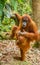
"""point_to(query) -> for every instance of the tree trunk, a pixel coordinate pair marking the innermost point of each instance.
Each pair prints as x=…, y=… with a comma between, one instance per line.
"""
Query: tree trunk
x=36, y=11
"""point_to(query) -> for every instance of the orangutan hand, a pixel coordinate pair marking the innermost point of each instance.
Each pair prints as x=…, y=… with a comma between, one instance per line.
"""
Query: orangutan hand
x=18, y=33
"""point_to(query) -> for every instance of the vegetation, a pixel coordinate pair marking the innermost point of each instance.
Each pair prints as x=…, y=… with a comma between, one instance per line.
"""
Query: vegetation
x=8, y=48
x=20, y=6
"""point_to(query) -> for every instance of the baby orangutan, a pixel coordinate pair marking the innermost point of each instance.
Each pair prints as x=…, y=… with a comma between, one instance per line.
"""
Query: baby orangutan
x=25, y=33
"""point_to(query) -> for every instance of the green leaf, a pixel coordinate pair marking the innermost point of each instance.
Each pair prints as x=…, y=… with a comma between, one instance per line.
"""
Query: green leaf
x=20, y=1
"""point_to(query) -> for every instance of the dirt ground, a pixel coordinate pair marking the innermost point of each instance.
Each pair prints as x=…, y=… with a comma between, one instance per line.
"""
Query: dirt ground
x=10, y=54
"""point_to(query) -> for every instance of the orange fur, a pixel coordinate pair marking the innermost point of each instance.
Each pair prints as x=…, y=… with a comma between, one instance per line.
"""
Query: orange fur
x=30, y=34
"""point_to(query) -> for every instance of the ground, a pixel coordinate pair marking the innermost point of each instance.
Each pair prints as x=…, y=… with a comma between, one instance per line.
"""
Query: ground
x=9, y=53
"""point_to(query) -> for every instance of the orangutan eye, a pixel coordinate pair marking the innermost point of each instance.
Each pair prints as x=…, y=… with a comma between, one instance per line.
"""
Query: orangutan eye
x=24, y=20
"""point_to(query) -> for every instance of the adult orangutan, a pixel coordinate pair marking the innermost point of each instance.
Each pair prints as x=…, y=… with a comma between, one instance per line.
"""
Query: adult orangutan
x=25, y=32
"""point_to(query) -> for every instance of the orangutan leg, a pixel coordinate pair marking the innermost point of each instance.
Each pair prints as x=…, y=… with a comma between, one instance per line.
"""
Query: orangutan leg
x=22, y=55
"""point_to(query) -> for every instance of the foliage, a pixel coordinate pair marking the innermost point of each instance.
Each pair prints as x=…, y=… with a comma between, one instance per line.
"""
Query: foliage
x=37, y=44
x=2, y=3
x=20, y=6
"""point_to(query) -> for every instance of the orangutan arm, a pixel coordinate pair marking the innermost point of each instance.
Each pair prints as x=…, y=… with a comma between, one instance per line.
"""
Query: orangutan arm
x=13, y=31
x=31, y=35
